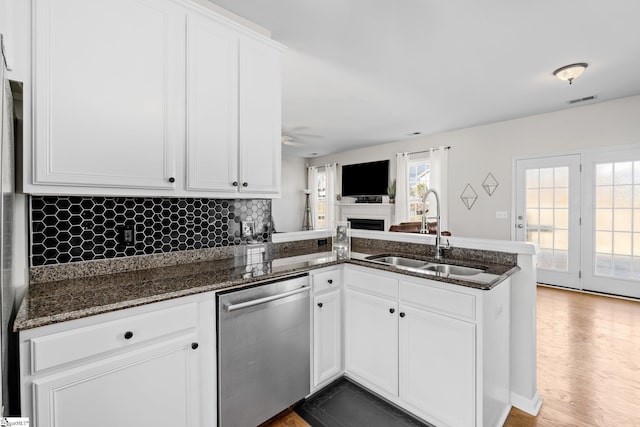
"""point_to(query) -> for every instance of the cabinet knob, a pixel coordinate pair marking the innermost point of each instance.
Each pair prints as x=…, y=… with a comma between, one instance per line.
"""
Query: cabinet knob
x=320, y=304
x=245, y=184
x=194, y=345
x=235, y=183
x=392, y=310
x=330, y=281
x=128, y=335
x=172, y=180
x=402, y=314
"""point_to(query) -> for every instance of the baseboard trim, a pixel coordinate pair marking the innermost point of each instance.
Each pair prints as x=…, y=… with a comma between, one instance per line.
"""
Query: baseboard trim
x=503, y=417
x=530, y=406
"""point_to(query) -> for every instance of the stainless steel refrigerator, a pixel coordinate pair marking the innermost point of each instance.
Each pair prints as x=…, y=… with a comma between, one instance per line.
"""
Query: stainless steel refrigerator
x=7, y=185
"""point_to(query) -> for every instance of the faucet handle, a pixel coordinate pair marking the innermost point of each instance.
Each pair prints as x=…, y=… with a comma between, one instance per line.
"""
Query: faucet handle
x=442, y=248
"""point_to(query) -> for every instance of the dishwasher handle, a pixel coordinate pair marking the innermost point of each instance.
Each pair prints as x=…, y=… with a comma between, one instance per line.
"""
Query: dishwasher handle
x=233, y=307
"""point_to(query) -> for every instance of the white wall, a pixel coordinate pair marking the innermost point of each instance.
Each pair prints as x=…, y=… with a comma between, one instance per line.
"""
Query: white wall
x=288, y=210
x=491, y=148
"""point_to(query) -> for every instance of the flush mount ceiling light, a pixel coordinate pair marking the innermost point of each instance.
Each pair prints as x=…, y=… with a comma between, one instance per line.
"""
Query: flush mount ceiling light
x=571, y=72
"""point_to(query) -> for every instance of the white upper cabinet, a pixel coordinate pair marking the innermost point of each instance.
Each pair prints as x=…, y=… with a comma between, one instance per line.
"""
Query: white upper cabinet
x=149, y=98
x=107, y=92
x=212, y=106
x=233, y=111
x=260, y=117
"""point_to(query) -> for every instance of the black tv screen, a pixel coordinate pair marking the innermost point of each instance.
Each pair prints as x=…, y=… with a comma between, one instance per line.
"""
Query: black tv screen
x=365, y=179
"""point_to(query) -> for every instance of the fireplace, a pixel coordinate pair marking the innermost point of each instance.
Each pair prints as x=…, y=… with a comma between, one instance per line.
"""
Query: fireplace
x=368, y=216
x=367, y=224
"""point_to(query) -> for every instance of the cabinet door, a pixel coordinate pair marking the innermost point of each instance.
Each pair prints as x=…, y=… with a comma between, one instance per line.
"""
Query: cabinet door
x=212, y=106
x=108, y=92
x=149, y=387
x=437, y=367
x=327, y=337
x=260, y=117
x=371, y=340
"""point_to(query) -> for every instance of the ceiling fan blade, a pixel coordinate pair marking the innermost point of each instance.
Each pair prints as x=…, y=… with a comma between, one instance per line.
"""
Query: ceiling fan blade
x=292, y=143
x=309, y=135
x=298, y=128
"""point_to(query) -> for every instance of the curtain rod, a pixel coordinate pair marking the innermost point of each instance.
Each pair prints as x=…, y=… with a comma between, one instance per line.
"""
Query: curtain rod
x=321, y=166
x=426, y=151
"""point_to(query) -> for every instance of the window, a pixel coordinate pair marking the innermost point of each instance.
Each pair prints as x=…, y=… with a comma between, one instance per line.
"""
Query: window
x=321, y=200
x=419, y=181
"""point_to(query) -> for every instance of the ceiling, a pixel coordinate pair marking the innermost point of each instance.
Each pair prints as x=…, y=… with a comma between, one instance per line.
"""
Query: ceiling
x=363, y=72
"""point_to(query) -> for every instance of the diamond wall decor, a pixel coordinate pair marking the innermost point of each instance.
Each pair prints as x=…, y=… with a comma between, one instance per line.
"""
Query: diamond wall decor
x=469, y=196
x=490, y=184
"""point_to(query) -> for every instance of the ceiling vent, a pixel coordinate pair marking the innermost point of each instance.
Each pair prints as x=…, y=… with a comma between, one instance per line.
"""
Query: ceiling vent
x=578, y=100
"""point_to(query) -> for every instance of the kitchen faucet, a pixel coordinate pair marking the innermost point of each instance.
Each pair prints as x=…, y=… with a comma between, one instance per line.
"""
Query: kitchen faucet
x=424, y=229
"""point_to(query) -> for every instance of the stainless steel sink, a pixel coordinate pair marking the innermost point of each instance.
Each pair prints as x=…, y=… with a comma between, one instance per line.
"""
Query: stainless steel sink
x=455, y=270
x=426, y=266
x=400, y=261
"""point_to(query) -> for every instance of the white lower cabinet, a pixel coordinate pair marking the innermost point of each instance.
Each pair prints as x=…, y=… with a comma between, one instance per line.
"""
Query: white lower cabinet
x=147, y=366
x=371, y=337
x=327, y=309
x=439, y=351
x=437, y=367
x=151, y=386
x=327, y=332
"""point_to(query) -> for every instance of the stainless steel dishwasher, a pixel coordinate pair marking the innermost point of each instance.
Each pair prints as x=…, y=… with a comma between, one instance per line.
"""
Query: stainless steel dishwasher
x=263, y=350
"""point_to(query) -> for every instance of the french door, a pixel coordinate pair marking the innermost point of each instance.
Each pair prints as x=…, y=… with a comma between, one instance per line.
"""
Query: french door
x=548, y=214
x=611, y=250
x=583, y=211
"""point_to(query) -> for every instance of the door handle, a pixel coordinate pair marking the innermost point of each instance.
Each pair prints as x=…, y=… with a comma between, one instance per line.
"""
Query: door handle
x=233, y=307
x=520, y=225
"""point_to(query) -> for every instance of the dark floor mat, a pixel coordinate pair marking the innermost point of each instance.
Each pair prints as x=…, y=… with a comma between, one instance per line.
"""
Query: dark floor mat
x=345, y=404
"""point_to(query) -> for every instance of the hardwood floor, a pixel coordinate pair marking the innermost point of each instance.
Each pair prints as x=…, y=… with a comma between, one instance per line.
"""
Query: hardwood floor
x=289, y=420
x=588, y=363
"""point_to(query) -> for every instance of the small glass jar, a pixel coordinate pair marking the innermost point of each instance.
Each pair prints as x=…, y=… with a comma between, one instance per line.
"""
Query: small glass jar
x=341, y=239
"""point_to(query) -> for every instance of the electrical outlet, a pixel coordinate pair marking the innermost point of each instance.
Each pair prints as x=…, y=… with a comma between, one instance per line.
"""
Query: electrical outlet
x=502, y=215
x=248, y=228
x=126, y=235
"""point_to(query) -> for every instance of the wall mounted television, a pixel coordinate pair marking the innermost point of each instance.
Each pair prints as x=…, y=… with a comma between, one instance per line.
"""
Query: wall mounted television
x=365, y=179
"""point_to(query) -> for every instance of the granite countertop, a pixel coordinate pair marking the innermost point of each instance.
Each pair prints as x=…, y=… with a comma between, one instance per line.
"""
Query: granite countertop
x=50, y=302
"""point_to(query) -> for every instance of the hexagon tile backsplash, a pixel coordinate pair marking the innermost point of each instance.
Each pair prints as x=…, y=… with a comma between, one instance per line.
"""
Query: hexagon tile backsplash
x=70, y=229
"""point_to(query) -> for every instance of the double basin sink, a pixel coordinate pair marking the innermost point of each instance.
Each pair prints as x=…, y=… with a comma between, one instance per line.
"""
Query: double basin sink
x=439, y=268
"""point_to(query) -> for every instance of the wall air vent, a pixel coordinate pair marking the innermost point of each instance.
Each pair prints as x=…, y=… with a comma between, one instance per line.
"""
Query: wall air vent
x=578, y=100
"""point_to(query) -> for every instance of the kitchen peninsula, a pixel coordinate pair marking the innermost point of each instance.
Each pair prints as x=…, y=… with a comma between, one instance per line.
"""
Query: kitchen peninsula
x=73, y=302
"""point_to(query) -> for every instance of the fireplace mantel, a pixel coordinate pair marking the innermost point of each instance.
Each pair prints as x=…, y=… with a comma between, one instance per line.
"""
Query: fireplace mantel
x=380, y=211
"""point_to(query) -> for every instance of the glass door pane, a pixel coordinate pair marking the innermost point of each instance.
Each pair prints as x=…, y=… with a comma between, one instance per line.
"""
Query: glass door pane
x=547, y=207
x=548, y=214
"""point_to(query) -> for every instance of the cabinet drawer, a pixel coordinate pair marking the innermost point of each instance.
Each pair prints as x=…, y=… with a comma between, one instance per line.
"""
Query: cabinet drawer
x=327, y=280
x=438, y=300
x=372, y=283
x=75, y=344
